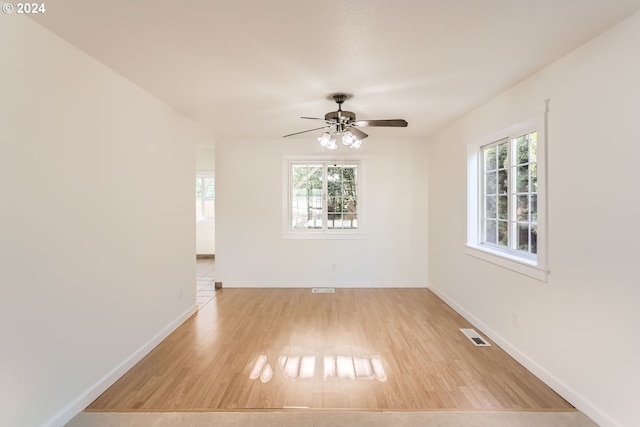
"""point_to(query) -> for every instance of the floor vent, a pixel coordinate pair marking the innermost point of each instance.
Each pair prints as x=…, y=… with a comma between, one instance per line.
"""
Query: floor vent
x=323, y=290
x=475, y=338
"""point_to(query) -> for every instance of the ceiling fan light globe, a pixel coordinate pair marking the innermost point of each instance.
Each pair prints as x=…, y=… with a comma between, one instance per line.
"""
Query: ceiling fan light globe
x=324, y=139
x=348, y=138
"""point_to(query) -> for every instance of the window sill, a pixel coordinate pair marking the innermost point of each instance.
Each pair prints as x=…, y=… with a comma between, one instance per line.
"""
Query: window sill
x=519, y=265
x=324, y=236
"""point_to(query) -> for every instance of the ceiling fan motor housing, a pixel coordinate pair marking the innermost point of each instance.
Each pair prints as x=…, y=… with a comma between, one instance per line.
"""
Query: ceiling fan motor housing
x=340, y=116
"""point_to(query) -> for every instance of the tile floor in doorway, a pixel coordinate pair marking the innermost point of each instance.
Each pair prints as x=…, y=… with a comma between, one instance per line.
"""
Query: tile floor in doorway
x=205, y=281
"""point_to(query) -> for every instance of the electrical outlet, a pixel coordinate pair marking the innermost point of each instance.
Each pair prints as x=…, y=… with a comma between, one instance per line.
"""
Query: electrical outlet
x=333, y=266
x=180, y=293
x=514, y=318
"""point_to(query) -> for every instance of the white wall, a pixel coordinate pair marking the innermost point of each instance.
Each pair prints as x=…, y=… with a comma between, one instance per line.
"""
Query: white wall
x=97, y=230
x=579, y=331
x=205, y=231
x=251, y=252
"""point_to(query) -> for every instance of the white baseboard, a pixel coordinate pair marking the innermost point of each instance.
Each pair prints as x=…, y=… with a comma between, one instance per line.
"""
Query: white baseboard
x=536, y=369
x=320, y=284
x=93, y=392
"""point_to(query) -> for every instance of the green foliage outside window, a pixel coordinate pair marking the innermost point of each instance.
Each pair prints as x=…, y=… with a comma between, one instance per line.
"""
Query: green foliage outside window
x=310, y=207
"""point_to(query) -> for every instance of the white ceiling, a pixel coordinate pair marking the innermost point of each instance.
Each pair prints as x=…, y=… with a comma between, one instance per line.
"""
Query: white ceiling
x=251, y=68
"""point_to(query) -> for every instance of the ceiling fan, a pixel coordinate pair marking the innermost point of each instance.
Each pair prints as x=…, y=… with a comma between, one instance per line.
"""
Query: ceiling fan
x=344, y=125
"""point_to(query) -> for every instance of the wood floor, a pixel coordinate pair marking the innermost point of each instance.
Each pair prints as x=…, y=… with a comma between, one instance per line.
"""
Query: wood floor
x=371, y=349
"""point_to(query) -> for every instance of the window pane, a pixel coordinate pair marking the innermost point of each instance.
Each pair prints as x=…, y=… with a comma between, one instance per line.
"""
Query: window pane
x=306, y=217
x=316, y=201
x=335, y=209
x=300, y=212
x=349, y=173
x=522, y=179
x=205, y=196
x=349, y=186
x=334, y=188
x=334, y=173
x=209, y=209
x=503, y=207
x=490, y=231
x=491, y=207
x=209, y=197
x=503, y=235
x=533, y=168
x=315, y=218
x=306, y=197
x=307, y=175
x=315, y=183
x=335, y=221
x=490, y=159
x=522, y=149
x=198, y=198
x=533, y=147
x=350, y=205
x=490, y=183
x=315, y=193
x=522, y=209
x=534, y=208
x=209, y=188
x=198, y=188
x=503, y=161
x=300, y=173
x=350, y=217
x=503, y=181
x=334, y=205
x=523, y=237
x=534, y=239
x=508, y=214
x=315, y=175
x=311, y=208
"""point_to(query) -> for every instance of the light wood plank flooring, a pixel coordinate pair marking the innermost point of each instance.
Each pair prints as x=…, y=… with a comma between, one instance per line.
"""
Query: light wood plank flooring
x=371, y=349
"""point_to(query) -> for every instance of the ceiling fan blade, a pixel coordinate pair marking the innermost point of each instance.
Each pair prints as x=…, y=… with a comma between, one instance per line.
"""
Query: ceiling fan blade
x=305, y=131
x=391, y=123
x=313, y=118
x=357, y=132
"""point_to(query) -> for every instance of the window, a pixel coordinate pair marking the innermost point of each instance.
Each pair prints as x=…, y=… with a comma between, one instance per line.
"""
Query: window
x=323, y=198
x=205, y=196
x=509, y=194
x=506, y=198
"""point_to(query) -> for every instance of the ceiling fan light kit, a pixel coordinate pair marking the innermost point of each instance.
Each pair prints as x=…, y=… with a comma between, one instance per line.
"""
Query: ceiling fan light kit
x=328, y=140
x=343, y=125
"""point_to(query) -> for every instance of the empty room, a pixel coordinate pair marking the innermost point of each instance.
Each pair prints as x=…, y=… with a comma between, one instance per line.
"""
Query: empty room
x=416, y=213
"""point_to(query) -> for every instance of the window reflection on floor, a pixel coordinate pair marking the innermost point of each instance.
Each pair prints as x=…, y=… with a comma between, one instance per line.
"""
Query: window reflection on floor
x=294, y=367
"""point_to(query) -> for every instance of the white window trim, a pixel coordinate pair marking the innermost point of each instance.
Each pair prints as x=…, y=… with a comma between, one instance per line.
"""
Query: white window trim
x=357, y=234
x=535, y=268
